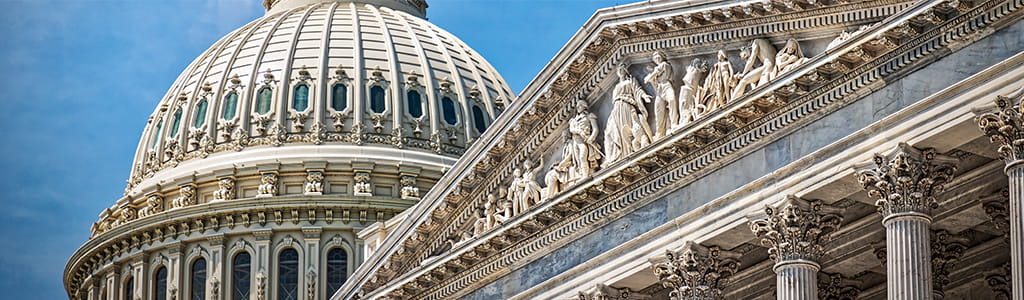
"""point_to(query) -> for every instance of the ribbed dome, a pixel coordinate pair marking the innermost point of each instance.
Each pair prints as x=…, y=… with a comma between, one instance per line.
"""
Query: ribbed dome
x=337, y=75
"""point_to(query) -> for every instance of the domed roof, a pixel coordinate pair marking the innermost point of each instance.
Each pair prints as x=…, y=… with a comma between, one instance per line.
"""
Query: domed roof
x=326, y=76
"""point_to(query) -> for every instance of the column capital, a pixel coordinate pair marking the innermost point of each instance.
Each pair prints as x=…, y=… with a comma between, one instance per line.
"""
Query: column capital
x=696, y=271
x=1004, y=125
x=906, y=180
x=796, y=230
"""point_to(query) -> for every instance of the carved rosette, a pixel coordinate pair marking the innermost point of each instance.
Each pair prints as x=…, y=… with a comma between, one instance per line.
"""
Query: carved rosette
x=362, y=184
x=999, y=282
x=225, y=189
x=1004, y=125
x=314, y=183
x=997, y=209
x=409, y=189
x=906, y=180
x=834, y=289
x=696, y=272
x=186, y=197
x=797, y=229
x=268, y=185
x=946, y=252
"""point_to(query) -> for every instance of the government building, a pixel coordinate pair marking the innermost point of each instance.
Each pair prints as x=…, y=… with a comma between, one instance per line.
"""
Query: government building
x=673, y=149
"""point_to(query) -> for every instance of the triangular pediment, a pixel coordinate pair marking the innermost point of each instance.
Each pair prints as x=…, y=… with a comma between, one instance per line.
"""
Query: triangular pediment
x=584, y=141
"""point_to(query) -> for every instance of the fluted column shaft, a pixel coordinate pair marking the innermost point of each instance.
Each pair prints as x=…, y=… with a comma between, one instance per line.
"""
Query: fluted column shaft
x=796, y=280
x=908, y=257
x=1015, y=171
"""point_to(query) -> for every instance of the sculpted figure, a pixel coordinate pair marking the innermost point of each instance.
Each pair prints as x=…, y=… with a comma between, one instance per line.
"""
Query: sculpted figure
x=504, y=209
x=555, y=178
x=689, y=107
x=718, y=85
x=789, y=58
x=480, y=225
x=627, y=128
x=843, y=36
x=666, y=109
x=583, y=152
x=530, y=188
x=515, y=191
x=760, y=50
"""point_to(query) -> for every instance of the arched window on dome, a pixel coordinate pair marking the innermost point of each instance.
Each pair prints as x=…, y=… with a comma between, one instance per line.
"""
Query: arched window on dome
x=479, y=119
x=448, y=111
x=263, y=100
x=156, y=134
x=337, y=269
x=198, y=291
x=129, y=288
x=175, y=123
x=377, y=99
x=160, y=283
x=240, y=276
x=200, y=118
x=339, y=97
x=414, y=101
x=288, y=275
x=300, y=99
x=230, y=106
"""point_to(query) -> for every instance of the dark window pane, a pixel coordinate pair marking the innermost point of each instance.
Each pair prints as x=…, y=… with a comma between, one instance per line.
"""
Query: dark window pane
x=301, y=101
x=415, y=104
x=288, y=275
x=240, y=276
x=478, y=119
x=377, y=104
x=230, y=106
x=175, y=123
x=160, y=284
x=156, y=134
x=448, y=111
x=263, y=100
x=199, y=279
x=337, y=269
x=339, y=97
x=129, y=288
x=200, y=114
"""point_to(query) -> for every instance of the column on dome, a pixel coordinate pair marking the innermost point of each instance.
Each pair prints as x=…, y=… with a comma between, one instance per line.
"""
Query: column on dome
x=215, y=275
x=311, y=276
x=138, y=271
x=696, y=272
x=905, y=183
x=1004, y=125
x=174, y=271
x=795, y=233
x=261, y=262
x=113, y=280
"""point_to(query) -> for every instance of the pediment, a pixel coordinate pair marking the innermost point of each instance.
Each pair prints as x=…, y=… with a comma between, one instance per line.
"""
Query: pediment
x=806, y=57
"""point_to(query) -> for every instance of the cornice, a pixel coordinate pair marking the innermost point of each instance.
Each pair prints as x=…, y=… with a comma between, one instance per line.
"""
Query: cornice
x=907, y=48
x=247, y=214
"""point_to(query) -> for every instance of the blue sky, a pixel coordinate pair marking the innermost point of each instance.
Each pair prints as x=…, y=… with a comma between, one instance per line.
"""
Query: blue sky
x=81, y=77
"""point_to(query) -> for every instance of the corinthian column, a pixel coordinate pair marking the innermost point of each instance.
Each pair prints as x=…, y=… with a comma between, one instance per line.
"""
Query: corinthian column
x=794, y=234
x=905, y=183
x=1004, y=127
x=696, y=272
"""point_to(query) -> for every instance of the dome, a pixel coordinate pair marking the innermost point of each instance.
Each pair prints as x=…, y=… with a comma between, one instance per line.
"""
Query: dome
x=329, y=79
x=307, y=125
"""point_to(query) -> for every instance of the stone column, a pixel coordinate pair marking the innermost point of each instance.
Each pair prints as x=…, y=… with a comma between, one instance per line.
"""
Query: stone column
x=174, y=271
x=215, y=269
x=138, y=275
x=112, y=285
x=311, y=239
x=1003, y=125
x=261, y=263
x=696, y=272
x=795, y=233
x=905, y=183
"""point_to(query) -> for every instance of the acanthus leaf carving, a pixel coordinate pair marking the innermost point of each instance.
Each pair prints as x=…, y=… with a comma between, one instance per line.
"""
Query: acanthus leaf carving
x=797, y=229
x=696, y=271
x=907, y=180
